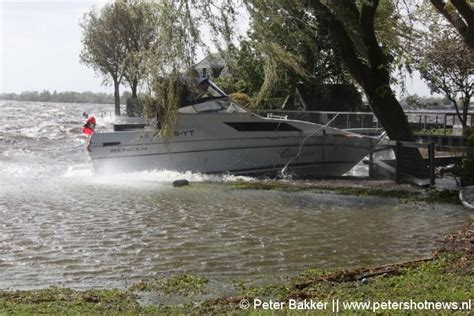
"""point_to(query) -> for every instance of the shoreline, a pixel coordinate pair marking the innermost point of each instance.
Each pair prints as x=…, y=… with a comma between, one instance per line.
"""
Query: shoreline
x=448, y=275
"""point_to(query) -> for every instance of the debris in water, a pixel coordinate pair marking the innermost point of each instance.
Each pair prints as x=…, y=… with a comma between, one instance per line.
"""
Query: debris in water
x=180, y=183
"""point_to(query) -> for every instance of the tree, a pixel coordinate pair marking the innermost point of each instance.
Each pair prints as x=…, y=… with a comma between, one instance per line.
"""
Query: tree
x=353, y=28
x=291, y=48
x=364, y=33
x=447, y=65
x=116, y=43
x=136, y=24
x=460, y=13
x=366, y=38
x=102, y=50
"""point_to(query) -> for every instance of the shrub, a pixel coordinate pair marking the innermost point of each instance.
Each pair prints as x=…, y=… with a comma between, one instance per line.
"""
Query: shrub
x=240, y=98
x=467, y=166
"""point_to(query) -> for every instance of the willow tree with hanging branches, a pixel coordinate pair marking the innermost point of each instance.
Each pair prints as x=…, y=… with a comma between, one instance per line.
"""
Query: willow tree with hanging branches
x=170, y=61
x=365, y=35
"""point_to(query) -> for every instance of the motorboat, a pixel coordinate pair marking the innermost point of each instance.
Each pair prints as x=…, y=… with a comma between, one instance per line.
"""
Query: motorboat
x=214, y=134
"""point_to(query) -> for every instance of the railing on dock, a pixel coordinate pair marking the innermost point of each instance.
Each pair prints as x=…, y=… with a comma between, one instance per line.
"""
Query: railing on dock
x=436, y=120
x=422, y=120
x=432, y=161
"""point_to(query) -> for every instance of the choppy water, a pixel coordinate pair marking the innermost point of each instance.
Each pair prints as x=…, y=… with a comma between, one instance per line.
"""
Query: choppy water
x=60, y=225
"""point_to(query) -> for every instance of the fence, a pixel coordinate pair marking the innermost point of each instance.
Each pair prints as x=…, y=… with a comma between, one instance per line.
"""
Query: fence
x=349, y=120
x=429, y=120
x=432, y=148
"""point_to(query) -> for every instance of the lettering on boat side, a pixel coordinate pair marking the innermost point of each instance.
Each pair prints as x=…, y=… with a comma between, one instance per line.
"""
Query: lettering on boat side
x=292, y=152
x=184, y=132
x=129, y=149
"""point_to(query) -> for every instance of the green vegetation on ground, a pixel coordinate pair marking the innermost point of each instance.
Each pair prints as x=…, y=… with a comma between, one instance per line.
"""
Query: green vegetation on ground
x=467, y=165
x=435, y=131
x=448, y=277
x=422, y=195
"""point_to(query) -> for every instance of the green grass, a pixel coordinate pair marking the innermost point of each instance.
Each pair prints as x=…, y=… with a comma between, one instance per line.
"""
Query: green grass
x=66, y=301
x=434, y=131
x=183, y=284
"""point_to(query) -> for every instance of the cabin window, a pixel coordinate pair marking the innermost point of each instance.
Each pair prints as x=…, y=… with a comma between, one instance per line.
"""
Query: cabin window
x=111, y=144
x=263, y=127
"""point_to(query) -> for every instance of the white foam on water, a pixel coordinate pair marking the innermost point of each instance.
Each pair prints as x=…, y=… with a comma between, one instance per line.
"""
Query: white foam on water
x=79, y=171
x=157, y=176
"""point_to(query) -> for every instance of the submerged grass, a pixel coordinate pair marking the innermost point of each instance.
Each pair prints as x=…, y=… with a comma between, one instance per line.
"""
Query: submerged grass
x=183, y=284
x=422, y=195
x=447, y=277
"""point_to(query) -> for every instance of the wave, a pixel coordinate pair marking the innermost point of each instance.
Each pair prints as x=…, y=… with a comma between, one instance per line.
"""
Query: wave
x=86, y=171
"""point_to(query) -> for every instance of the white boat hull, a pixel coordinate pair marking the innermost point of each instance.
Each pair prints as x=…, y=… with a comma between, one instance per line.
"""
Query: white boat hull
x=204, y=144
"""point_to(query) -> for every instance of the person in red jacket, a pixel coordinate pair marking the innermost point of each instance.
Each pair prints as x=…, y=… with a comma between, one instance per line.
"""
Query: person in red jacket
x=89, y=127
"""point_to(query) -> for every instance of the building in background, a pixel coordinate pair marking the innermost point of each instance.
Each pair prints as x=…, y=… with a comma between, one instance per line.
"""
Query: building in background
x=212, y=66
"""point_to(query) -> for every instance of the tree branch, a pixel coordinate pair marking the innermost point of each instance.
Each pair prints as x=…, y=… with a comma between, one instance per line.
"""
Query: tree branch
x=346, y=46
x=377, y=58
x=466, y=31
x=466, y=11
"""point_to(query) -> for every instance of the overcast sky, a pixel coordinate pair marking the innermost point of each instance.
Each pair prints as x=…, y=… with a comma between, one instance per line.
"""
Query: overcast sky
x=40, y=42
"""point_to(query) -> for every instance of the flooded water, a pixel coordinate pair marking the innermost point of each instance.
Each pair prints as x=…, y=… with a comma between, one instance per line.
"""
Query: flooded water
x=60, y=225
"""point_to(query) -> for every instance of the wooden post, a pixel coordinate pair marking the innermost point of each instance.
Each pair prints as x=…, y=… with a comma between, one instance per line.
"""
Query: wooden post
x=431, y=155
x=397, y=161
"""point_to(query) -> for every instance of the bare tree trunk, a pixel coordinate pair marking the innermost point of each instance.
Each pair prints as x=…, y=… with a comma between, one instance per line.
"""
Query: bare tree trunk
x=117, y=96
x=134, y=86
x=465, y=109
x=133, y=105
x=461, y=116
x=390, y=114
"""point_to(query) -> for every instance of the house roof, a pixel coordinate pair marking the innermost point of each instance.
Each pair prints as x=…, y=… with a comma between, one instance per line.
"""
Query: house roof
x=211, y=61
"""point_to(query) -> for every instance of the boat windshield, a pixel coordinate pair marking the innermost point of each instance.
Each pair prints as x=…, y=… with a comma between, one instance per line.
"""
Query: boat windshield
x=205, y=96
x=206, y=90
x=223, y=105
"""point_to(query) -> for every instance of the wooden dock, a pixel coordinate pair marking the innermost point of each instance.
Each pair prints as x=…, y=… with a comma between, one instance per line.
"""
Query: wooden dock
x=435, y=156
